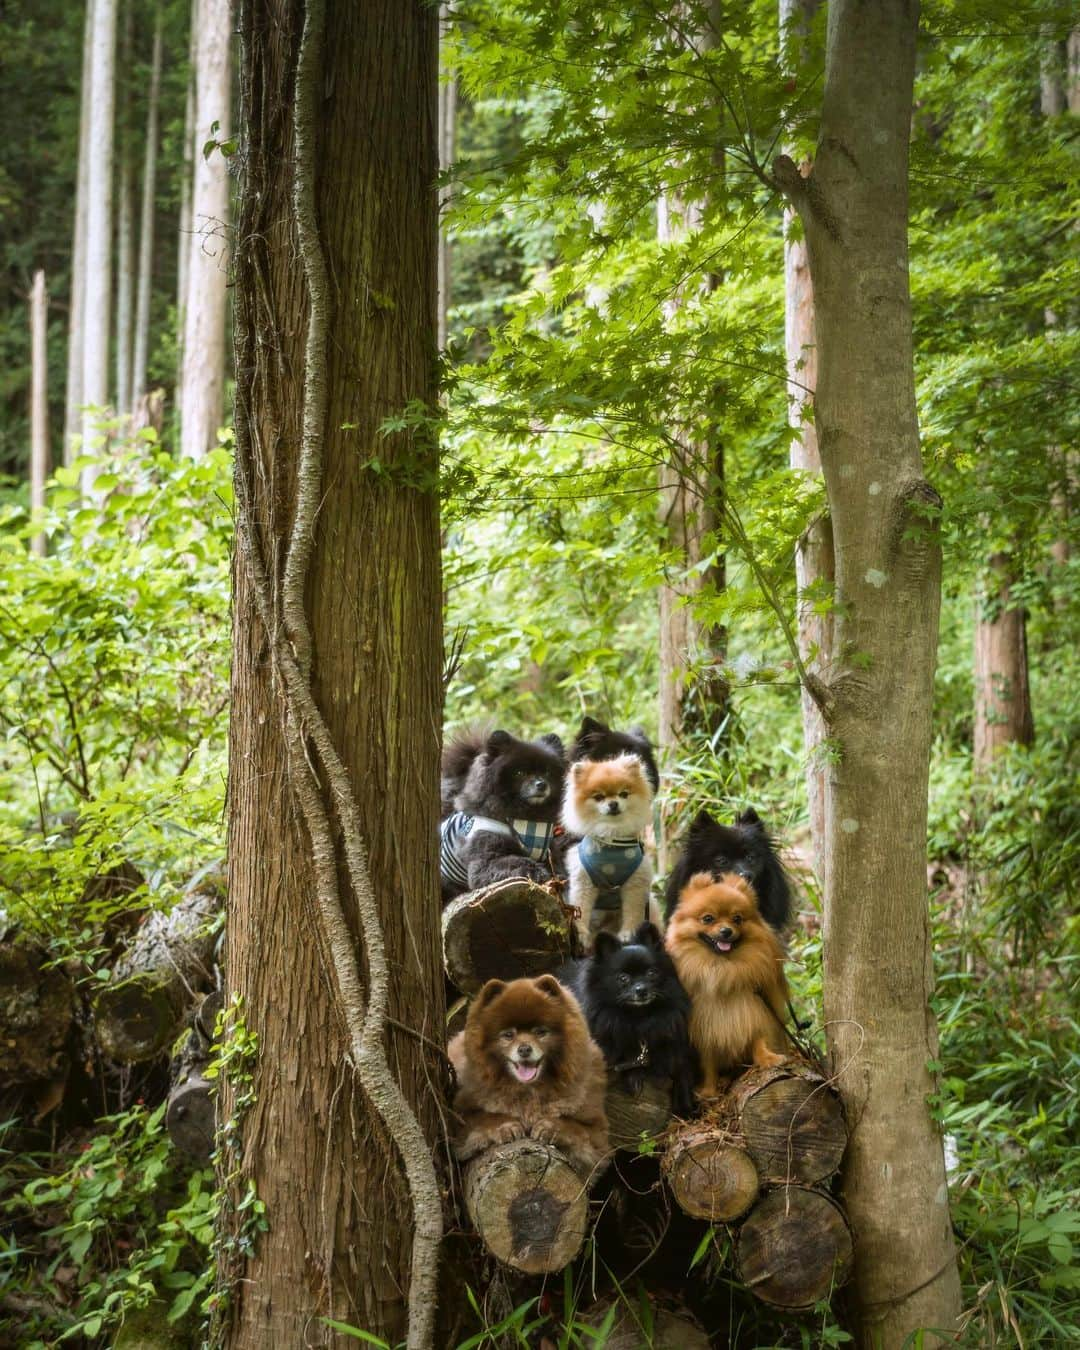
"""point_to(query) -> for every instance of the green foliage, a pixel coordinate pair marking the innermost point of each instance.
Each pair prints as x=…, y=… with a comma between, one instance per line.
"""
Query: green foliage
x=110, y=1230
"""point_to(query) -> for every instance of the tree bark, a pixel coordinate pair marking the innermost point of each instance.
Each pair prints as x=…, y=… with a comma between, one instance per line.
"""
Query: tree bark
x=183, y=252
x=814, y=564
x=1002, y=690
x=98, y=284
x=333, y=929
x=878, y=698
x=125, y=229
x=448, y=93
x=76, y=295
x=203, y=381
x=39, y=402
x=141, y=353
x=36, y=1012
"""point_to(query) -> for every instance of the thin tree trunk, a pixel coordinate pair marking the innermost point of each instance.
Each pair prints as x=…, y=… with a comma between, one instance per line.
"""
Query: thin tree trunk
x=77, y=290
x=98, y=288
x=878, y=696
x=1072, y=76
x=39, y=402
x=1002, y=693
x=448, y=92
x=183, y=253
x=693, y=693
x=146, y=226
x=125, y=232
x=333, y=926
x=203, y=406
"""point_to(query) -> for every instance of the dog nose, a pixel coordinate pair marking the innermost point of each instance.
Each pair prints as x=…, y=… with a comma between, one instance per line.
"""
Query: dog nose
x=641, y=989
x=725, y=934
x=612, y=808
x=525, y=1052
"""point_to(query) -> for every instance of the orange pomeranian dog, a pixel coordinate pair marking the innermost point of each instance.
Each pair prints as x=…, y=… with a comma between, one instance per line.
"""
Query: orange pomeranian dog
x=731, y=964
x=526, y=1065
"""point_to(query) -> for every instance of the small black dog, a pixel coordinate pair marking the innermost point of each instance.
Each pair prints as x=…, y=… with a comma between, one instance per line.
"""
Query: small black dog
x=637, y=1012
x=501, y=799
x=744, y=849
x=595, y=740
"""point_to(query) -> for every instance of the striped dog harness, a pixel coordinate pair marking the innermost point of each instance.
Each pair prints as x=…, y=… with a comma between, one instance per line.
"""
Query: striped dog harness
x=533, y=837
x=609, y=865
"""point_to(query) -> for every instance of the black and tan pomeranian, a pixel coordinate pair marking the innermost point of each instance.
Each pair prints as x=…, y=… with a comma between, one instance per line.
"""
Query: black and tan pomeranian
x=743, y=850
x=637, y=1012
x=501, y=801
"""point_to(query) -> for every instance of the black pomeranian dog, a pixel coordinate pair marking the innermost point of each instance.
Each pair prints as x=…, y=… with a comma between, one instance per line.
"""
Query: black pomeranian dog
x=596, y=740
x=501, y=799
x=744, y=849
x=637, y=1012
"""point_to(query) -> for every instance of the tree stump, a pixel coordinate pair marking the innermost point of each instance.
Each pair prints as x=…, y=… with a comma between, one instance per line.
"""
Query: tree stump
x=790, y=1122
x=710, y=1175
x=510, y=931
x=37, y=1004
x=794, y=1248
x=630, y=1118
x=527, y=1204
x=138, y=1013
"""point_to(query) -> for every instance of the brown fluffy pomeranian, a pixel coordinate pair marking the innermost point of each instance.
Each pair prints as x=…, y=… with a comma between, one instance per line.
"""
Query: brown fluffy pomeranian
x=526, y=1065
x=731, y=964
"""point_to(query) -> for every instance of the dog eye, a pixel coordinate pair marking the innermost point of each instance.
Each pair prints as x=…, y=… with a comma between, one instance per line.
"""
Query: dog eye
x=598, y=796
x=508, y=1034
x=736, y=918
x=708, y=918
x=624, y=794
x=540, y=1032
x=624, y=979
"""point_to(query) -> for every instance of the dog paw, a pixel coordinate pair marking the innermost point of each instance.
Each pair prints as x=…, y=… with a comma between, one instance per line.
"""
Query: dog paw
x=548, y=1132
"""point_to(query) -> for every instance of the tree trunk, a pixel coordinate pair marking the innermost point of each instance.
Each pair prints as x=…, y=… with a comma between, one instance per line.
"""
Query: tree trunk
x=125, y=228
x=39, y=402
x=183, y=254
x=146, y=227
x=76, y=291
x=693, y=692
x=97, y=289
x=333, y=930
x=1002, y=691
x=814, y=564
x=203, y=380
x=878, y=697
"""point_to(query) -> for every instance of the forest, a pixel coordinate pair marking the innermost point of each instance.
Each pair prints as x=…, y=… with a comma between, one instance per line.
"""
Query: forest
x=430, y=433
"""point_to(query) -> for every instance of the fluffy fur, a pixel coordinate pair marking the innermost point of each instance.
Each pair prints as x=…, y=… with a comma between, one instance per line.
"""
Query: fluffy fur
x=637, y=1012
x=494, y=774
x=744, y=850
x=731, y=964
x=596, y=740
x=606, y=801
x=526, y=1065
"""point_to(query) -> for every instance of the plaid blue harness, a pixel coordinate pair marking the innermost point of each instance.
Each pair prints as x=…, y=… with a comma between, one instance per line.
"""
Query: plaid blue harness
x=533, y=836
x=609, y=866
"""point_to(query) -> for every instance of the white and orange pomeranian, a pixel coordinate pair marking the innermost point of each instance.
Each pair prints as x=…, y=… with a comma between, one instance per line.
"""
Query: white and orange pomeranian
x=609, y=804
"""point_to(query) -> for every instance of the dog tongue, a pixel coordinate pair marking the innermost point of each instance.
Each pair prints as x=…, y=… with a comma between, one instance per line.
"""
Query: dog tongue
x=724, y=946
x=526, y=1072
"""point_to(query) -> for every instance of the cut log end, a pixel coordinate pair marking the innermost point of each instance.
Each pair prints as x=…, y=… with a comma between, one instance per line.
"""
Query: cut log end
x=138, y=1018
x=792, y=1123
x=632, y=1120
x=507, y=932
x=36, y=1008
x=710, y=1176
x=528, y=1205
x=189, y=1118
x=794, y=1249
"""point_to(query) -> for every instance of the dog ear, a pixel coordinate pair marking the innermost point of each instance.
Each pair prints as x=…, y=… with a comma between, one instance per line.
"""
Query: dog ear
x=591, y=727
x=499, y=740
x=553, y=743
x=490, y=992
x=750, y=819
x=640, y=734
x=580, y=767
x=700, y=881
x=549, y=986
x=648, y=935
x=702, y=823
x=606, y=945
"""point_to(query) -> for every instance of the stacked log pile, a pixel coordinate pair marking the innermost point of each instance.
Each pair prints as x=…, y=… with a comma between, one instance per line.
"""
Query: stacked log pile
x=758, y=1160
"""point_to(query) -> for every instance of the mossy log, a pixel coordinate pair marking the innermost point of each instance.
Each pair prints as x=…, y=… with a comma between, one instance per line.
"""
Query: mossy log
x=630, y=1118
x=169, y=960
x=505, y=932
x=190, y=1116
x=794, y=1248
x=528, y=1205
x=666, y=1329
x=37, y=1004
x=710, y=1174
x=790, y=1122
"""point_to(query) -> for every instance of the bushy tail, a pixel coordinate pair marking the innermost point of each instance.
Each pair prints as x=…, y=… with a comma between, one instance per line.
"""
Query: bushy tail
x=457, y=758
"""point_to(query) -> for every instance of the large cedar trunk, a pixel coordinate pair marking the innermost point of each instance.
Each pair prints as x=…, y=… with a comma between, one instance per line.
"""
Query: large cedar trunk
x=878, y=697
x=1002, y=691
x=341, y=1225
